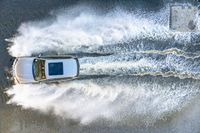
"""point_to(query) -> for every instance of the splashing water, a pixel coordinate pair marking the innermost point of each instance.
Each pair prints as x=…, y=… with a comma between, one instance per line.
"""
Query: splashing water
x=128, y=98
x=69, y=33
x=134, y=100
x=141, y=64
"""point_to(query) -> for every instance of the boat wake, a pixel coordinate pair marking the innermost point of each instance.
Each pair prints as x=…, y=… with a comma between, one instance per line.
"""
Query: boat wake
x=141, y=64
x=136, y=100
x=131, y=44
x=75, y=31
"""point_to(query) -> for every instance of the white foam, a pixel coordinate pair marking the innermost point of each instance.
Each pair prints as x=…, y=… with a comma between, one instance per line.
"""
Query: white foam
x=68, y=32
x=141, y=64
x=88, y=100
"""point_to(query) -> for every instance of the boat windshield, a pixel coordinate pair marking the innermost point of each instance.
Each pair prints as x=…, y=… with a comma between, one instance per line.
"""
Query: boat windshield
x=39, y=69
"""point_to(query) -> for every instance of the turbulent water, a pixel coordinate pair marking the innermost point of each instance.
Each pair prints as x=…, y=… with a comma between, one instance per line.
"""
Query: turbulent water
x=87, y=31
x=116, y=51
x=114, y=98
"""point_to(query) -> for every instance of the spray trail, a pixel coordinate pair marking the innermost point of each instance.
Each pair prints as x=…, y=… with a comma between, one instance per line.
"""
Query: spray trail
x=137, y=99
x=83, y=31
x=141, y=64
x=127, y=99
x=148, y=46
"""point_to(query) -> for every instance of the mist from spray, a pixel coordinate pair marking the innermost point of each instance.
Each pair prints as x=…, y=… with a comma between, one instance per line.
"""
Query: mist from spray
x=119, y=98
x=83, y=29
x=141, y=64
x=133, y=99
